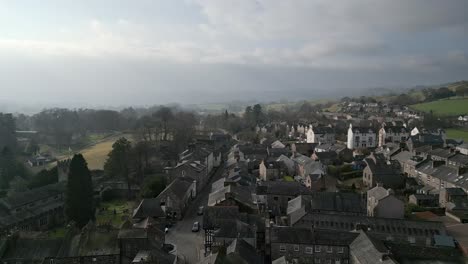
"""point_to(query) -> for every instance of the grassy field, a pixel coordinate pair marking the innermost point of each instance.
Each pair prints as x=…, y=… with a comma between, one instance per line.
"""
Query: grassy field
x=446, y=107
x=123, y=209
x=96, y=154
x=457, y=134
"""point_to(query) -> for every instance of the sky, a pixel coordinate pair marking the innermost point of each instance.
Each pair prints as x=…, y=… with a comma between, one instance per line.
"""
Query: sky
x=144, y=52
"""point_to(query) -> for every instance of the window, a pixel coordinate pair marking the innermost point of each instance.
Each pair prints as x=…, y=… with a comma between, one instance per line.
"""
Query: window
x=329, y=249
x=282, y=248
x=317, y=260
x=340, y=249
x=337, y=261
x=275, y=198
x=317, y=248
x=308, y=250
x=296, y=247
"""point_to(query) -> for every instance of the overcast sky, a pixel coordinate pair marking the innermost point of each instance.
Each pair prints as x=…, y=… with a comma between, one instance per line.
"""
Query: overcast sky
x=128, y=52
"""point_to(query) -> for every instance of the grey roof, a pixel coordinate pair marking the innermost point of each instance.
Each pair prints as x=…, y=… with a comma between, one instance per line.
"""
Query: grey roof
x=326, y=155
x=244, y=250
x=149, y=208
x=443, y=153
x=368, y=250
x=421, y=197
x=213, y=214
x=291, y=235
x=402, y=156
x=376, y=224
x=281, y=188
x=362, y=130
x=445, y=173
x=463, y=146
x=395, y=129
x=22, y=198
x=304, y=235
x=281, y=260
x=445, y=241
x=455, y=191
x=323, y=130
x=138, y=233
x=459, y=158
x=377, y=193
x=337, y=202
x=179, y=187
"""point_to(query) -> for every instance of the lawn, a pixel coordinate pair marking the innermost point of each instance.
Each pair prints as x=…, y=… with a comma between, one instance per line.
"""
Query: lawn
x=288, y=178
x=96, y=154
x=447, y=107
x=457, y=134
x=114, y=212
x=58, y=232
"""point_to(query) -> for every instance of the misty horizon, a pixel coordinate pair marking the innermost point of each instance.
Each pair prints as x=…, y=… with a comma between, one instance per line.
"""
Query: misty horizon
x=198, y=52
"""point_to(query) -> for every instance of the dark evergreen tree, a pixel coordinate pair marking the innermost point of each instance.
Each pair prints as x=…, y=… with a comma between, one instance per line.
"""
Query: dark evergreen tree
x=79, y=205
x=119, y=160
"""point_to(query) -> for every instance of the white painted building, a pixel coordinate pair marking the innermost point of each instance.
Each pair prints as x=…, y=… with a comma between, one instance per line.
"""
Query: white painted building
x=361, y=137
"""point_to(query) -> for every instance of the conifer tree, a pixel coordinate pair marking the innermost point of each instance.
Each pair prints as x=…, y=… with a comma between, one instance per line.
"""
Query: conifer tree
x=79, y=205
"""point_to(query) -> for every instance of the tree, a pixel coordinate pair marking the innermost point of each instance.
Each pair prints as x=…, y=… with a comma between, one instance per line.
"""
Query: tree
x=79, y=205
x=7, y=131
x=118, y=162
x=44, y=177
x=153, y=186
x=165, y=115
x=17, y=185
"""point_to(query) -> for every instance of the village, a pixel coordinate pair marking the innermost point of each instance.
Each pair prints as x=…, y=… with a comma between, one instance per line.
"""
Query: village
x=348, y=187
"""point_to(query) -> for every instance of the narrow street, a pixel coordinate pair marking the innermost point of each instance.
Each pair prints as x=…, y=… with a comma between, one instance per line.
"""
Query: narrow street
x=190, y=244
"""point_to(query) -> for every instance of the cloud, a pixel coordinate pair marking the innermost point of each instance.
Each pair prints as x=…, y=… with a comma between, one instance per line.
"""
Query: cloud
x=359, y=34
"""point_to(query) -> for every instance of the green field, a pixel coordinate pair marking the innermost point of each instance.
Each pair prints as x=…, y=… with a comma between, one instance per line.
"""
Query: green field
x=123, y=210
x=447, y=107
x=457, y=134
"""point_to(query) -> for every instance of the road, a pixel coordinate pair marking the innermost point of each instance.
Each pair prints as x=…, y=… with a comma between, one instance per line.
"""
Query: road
x=189, y=244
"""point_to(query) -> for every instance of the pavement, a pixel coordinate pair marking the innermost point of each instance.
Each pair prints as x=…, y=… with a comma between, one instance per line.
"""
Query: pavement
x=190, y=245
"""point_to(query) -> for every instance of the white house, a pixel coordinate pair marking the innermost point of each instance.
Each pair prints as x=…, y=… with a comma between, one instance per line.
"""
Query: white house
x=394, y=134
x=361, y=137
x=322, y=135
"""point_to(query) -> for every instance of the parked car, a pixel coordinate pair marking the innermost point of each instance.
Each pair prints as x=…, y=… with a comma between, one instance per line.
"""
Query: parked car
x=200, y=210
x=196, y=227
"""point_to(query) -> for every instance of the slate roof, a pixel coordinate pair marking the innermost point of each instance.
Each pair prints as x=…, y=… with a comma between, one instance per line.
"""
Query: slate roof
x=363, y=130
x=337, y=202
x=179, y=187
x=149, y=208
x=395, y=129
x=302, y=159
x=443, y=153
x=376, y=224
x=281, y=188
x=445, y=173
x=213, y=214
x=323, y=130
x=138, y=233
x=291, y=235
x=245, y=251
x=377, y=192
x=459, y=158
x=426, y=197
x=326, y=155
x=305, y=148
x=368, y=250
x=428, y=139
x=455, y=191
x=304, y=235
x=23, y=198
